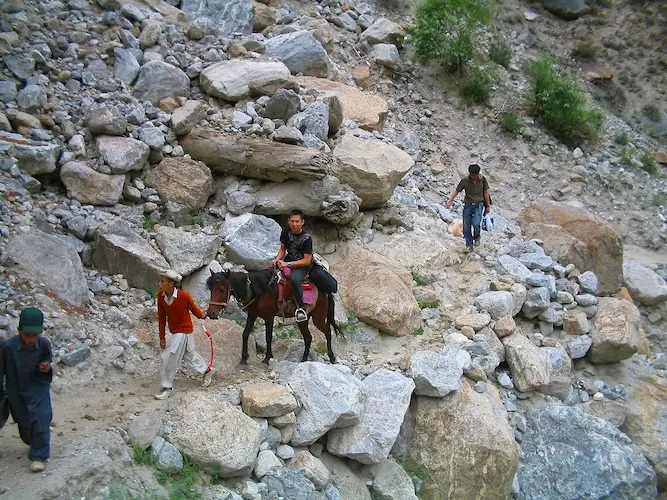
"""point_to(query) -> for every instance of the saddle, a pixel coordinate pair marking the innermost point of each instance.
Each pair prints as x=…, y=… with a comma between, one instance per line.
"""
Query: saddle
x=286, y=304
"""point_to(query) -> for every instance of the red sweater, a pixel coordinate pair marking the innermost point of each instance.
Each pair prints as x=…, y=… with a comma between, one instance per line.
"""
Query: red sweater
x=177, y=314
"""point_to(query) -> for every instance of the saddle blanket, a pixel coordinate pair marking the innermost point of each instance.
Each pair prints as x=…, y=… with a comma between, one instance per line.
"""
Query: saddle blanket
x=285, y=289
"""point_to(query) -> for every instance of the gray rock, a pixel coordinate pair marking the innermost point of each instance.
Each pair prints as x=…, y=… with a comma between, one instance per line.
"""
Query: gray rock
x=120, y=250
x=300, y=52
x=586, y=300
x=22, y=65
x=282, y=105
x=543, y=280
x=158, y=80
x=46, y=260
x=390, y=481
x=336, y=117
x=183, y=119
x=552, y=316
x=76, y=356
x=386, y=54
x=345, y=21
x=560, y=383
x=251, y=240
x=32, y=98
x=519, y=294
x=496, y=304
x=509, y=265
x=312, y=468
x=436, y=374
x=241, y=202
x=370, y=441
x=182, y=180
x=383, y=31
x=285, y=452
x=340, y=209
x=33, y=158
x=589, y=282
x=644, y=284
x=537, y=301
x=126, y=67
x=152, y=136
x=228, y=16
x=122, y=154
x=564, y=442
x=267, y=460
x=107, y=121
x=7, y=91
x=167, y=457
x=150, y=35
x=530, y=367
x=288, y=135
x=240, y=120
x=78, y=226
x=144, y=428
x=537, y=261
x=567, y=9
x=313, y=120
x=577, y=347
x=289, y=483
x=187, y=251
x=330, y=398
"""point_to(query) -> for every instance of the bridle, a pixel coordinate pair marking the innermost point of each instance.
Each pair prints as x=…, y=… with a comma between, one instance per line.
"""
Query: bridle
x=238, y=302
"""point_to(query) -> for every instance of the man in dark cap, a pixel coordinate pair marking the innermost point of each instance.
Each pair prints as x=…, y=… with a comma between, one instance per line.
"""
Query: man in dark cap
x=476, y=204
x=25, y=365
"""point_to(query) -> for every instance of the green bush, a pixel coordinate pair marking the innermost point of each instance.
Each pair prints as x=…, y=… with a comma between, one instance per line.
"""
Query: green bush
x=586, y=50
x=142, y=456
x=476, y=85
x=561, y=104
x=447, y=31
x=500, y=53
x=626, y=158
x=622, y=139
x=510, y=124
x=648, y=163
x=149, y=225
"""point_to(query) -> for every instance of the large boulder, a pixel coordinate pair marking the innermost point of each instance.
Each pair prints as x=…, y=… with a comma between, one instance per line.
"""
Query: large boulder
x=464, y=444
x=569, y=454
x=90, y=187
x=417, y=249
x=219, y=437
x=120, y=250
x=378, y=291
x=184, y=119
x=329, y=397
x=122, y=154
x=496, y=304
x=300, y=52
x=367, y=110
x=436, y=374
x=158, y=80
x=32, y=157
x=386, y=399
x=45, y=259
x=182, y=180
x=227, y=342
x=567, y=9
x=228, y=16
x=238, y=79
x=530, y=367
x=644, y=284
x=372, y=168
x=255, y=157
x=617, y=332
x=646, y=423
x=187, y=251
x=572, y=234
x=266, y=399
x=251, y=240
x=383, y=31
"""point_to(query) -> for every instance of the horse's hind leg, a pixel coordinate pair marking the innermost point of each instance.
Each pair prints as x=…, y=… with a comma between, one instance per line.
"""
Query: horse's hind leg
x=323, y=326
x=307, y=339
x=269, y=339
x=246, y=333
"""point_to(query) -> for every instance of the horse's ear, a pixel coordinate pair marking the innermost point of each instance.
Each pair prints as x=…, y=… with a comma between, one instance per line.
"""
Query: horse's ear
x=212, y=271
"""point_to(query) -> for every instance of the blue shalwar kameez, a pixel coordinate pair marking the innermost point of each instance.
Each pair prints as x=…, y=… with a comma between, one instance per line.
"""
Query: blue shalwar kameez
x=27, y=389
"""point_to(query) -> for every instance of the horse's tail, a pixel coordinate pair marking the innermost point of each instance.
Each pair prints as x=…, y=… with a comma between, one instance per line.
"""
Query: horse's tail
x=331, y=305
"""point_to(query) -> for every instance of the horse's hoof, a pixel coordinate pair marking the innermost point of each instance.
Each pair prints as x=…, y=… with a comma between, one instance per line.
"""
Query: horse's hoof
x=332, y=359
x=243, y=362
x=266, y=360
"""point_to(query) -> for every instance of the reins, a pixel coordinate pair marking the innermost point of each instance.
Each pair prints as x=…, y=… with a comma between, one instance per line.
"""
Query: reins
x=248, y=293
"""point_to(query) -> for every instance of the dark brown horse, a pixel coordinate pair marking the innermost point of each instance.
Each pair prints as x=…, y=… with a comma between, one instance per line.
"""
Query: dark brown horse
x=257, y=293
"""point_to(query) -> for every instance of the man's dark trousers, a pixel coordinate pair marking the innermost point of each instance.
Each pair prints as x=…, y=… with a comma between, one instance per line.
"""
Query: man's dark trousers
x=472, y=220
x=297, y=274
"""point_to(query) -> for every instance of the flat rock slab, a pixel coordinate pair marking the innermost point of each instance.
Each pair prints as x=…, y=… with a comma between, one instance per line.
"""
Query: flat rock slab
x=267, y=399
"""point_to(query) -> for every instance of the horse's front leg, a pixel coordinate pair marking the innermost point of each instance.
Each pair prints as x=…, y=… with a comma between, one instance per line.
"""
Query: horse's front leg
x=307, y=339
x=269, y=339
x=246, y=333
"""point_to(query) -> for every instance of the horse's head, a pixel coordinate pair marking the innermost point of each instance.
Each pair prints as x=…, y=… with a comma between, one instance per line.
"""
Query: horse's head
x=220, y=286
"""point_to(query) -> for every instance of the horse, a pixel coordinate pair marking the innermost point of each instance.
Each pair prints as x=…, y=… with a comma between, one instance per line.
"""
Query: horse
x=257, y=294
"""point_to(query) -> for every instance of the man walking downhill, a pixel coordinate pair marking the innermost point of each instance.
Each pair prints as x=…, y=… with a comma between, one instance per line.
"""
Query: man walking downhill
x=25, y=364
x=476, y=204
x=173, y=309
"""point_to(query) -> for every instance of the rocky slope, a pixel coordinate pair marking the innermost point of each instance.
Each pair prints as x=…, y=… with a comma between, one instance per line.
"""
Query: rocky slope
x=142, y=135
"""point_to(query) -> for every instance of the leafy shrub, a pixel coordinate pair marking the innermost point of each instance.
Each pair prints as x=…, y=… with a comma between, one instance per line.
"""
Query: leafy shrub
x=648, y=163
x=500, y=53
x=149, y=225
x=418, y=278
x=447, y=31
x=476, y=85
x=418, y=331
x=561, y=103
x=626, y=158
x=510, y=124
x=142, y=456
x=586, y=50
x=623, y=139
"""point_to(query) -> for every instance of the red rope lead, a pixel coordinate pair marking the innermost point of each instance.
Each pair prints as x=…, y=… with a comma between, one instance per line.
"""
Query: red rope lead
x=210, y=338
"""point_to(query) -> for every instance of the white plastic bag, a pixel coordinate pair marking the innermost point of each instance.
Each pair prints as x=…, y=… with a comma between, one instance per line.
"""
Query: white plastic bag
x=487, y=222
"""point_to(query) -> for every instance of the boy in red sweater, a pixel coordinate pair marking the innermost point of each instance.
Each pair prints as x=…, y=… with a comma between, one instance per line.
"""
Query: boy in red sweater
x=173, y=308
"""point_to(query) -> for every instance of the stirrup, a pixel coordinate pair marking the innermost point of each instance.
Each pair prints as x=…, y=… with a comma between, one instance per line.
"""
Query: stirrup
x=300, y=315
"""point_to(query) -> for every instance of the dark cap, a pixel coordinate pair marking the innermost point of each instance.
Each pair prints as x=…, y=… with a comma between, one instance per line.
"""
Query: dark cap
x=474, y=168
x=31, y=320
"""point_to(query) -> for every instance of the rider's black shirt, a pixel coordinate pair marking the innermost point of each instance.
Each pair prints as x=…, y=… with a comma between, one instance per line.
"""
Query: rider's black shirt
x=297, y=245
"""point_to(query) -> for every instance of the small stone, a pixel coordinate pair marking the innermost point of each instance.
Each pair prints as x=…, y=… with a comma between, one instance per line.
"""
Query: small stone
x=505, y=326
x=598, y=396
x=285, y=452
x=480, y=387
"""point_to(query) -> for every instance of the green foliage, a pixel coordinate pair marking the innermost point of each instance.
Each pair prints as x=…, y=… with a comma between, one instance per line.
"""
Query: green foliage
x=648, y=163
x=500, y=53
x=424, y=304
x=561, y=103
x=626, y=158
x=418, y=278
x=447, y=31
x=622, y=139
x=413, y=469
x=418, y=331
x=652, y=112
x=510, y=124
x=321, y=349
x=659, y=199
x=197, y=220
x=586, y=51
x=351, y=317
x=142, y=456
x=151, y=289
x=182, y=483
x=149, y=225
x=476, y=85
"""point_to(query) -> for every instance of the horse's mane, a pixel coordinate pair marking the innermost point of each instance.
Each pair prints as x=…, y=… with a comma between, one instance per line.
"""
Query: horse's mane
x=260, y=282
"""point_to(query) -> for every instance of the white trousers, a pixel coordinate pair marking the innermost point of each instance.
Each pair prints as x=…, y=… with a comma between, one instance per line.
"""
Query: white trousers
x=181, y=347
